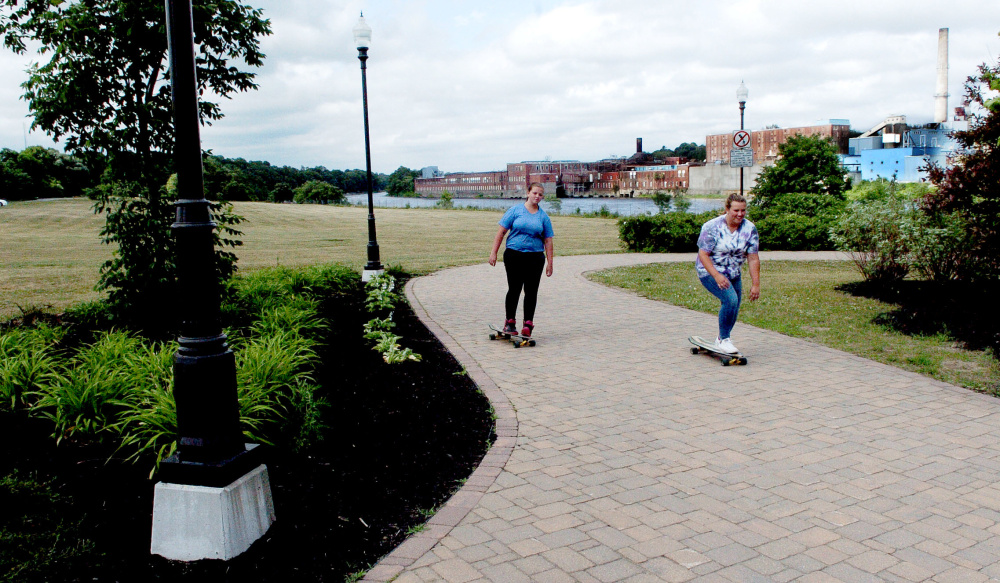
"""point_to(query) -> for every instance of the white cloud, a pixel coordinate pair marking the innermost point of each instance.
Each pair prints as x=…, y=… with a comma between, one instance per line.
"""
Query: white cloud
x=471, y=86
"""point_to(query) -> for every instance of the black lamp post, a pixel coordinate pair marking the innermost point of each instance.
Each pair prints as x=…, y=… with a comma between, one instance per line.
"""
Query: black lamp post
x=211, y=451
x=214, y=498
x=363, y=39
x=741, y=95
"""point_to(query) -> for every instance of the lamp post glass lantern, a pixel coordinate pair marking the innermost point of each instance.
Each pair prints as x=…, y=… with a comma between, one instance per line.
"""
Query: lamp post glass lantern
x=741, y=96
x=362, y=40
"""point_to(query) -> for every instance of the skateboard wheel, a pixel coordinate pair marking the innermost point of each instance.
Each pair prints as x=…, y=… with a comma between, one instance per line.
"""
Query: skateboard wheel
x=694, y=351
x=743, y=360
x=531, y=343
x=493, y=336
x=725, y=361
x=516, y=345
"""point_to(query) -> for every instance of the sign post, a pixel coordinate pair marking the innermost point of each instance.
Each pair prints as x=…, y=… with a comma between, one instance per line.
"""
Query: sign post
x=741, y=156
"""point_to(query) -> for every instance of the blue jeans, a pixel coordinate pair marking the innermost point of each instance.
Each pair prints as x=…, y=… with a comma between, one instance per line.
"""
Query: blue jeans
x=730, y=298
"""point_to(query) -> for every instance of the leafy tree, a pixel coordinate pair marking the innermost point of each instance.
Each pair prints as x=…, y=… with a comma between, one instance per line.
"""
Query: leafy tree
x=401, y=181
x=690, y=150
x=105, y=89
x=806, y=164
x=317, y=191
x=281, y=193
x=38, y=172
x=662, y=200
x=971, y=186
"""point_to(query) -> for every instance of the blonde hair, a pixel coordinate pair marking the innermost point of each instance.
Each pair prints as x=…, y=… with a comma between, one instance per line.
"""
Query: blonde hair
x=734, y=197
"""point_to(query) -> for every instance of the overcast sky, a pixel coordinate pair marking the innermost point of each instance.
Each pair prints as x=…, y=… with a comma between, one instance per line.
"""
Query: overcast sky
x=470, y=86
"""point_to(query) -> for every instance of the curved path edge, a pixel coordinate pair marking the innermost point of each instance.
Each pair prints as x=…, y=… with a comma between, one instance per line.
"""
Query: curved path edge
x=466, y=498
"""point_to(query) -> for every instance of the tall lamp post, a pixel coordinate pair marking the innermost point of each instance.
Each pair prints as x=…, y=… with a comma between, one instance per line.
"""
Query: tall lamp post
x=214, y=497
x=363, y=39
x=741, y=96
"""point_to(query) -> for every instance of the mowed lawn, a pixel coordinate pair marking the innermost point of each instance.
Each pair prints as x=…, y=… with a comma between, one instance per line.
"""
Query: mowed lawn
x=51, y=253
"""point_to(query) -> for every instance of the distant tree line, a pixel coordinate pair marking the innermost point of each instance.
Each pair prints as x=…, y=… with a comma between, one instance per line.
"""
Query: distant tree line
x=38, y=172
x=689, y=150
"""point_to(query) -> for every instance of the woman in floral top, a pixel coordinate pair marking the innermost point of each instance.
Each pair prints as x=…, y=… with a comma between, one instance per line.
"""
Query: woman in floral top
x=725, y=243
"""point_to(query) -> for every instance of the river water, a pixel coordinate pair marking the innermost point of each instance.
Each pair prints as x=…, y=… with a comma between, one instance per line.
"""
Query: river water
x=625, y=207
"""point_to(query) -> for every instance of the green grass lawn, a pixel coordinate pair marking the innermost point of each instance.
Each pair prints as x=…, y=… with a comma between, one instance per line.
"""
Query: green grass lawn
x=801, y=299
x=51, y=252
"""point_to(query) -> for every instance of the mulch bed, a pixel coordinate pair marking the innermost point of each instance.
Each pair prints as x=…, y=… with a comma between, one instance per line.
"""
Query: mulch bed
x=399, y=440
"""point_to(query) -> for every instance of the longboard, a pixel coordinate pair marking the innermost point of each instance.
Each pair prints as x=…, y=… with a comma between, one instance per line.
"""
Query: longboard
x=516, y=339
x=704, y=346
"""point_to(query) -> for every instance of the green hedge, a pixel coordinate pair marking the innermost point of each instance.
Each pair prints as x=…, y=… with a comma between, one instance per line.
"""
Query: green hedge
x=792, y=222
x=663, y=233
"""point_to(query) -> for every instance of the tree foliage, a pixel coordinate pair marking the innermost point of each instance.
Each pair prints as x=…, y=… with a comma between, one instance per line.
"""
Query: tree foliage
x=105, y=85
x=239, y=179
x=807, y=164
x=37, y=172
x=689, y=150
x=105, y=89
x=401, y=181
x=970, y=188
x=319, y=192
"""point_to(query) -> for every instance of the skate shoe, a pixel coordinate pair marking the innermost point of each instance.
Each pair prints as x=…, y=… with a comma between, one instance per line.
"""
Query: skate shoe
x=528, y=327
x=725, y=345
x=510, y=326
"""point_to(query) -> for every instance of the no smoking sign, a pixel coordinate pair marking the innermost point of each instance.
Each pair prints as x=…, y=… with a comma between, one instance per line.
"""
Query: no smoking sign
x=741, y=138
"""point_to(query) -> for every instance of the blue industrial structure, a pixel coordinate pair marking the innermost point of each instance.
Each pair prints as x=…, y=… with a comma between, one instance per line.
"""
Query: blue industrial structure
x=894, y=151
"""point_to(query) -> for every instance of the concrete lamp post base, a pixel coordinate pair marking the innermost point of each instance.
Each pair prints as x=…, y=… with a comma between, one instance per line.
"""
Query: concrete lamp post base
x=198, y=522
x=367, y=274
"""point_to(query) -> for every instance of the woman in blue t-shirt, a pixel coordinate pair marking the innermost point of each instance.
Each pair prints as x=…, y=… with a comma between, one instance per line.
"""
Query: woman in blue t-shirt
x=529, y=247
x=725, y=243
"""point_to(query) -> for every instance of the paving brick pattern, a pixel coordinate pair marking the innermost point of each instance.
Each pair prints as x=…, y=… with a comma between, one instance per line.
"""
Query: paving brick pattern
x=622, y=457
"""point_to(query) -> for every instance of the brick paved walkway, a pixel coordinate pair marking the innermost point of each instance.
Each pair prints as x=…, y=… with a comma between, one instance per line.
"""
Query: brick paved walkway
x=623, y=457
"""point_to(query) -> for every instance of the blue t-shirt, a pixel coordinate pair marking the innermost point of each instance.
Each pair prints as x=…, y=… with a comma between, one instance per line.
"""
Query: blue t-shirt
x=526, y=232
x=727, y=249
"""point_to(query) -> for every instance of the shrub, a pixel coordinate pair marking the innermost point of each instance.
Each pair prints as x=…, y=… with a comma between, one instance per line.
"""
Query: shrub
x=881, y=189
x=147, y=423
x=273, y=376
x=797, y=221
x=662, y=200
x=118, y=388
x=446, y=201
x=27, y=363
x=319, y=192
x=673, y=232
x=872, y=234
x=85, y=398
x=939, y=246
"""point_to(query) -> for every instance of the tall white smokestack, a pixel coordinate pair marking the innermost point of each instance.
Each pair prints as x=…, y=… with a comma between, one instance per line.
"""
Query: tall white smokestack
x=941, y=97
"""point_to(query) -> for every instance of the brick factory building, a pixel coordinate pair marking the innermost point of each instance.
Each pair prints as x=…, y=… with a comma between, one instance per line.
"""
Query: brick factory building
x=464, y=184
x=765, y=142
x=613, y=177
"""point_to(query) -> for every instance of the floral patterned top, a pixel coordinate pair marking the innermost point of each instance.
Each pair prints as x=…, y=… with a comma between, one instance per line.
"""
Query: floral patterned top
x=728, y=249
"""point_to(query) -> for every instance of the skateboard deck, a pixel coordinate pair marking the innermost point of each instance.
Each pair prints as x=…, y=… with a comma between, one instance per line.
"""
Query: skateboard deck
x=704, y=346
x=516, y=339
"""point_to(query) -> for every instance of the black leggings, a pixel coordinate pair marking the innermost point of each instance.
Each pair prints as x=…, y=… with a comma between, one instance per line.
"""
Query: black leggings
x=524, y=270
